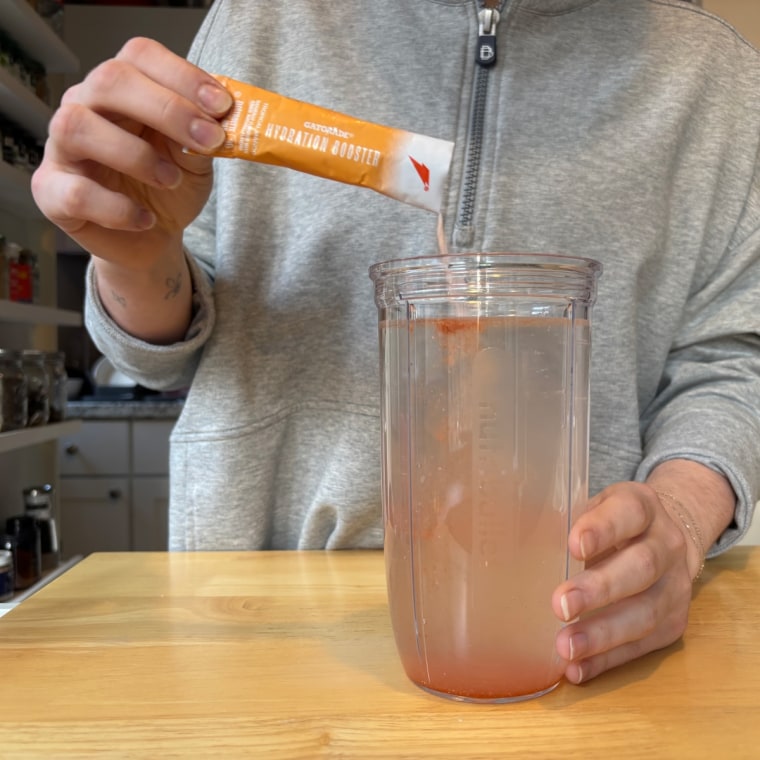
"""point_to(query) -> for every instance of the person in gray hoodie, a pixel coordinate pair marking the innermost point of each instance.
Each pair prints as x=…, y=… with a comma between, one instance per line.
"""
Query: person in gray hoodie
x=622, y=130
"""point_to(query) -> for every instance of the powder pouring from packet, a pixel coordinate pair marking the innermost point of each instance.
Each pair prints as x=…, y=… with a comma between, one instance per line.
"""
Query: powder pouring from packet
x=265, y=127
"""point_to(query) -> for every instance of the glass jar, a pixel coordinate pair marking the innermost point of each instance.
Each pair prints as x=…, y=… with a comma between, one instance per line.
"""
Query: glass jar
x=55, y=361
x=37, y=387
x=13, y=392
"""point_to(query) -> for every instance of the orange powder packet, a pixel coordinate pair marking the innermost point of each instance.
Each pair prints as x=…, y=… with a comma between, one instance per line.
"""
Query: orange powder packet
x=269, y=128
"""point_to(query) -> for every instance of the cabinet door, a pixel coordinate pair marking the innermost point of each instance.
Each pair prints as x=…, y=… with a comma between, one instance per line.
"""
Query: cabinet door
x=94, y=515
x=753, y=535
x=150, y=514
x=150, y=446
x=97, y=448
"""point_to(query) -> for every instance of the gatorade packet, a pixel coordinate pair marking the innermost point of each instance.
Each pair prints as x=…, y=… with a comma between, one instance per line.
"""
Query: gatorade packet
x=268, y=128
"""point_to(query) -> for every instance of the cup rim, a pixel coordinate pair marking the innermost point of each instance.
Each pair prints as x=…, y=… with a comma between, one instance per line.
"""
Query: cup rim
x=483, y=259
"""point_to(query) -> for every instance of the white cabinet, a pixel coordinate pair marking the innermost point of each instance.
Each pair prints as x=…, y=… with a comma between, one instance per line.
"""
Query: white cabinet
x=114, y=486
x=753, y=535
x=150, y=512
x=98, y=449
x=94, y=515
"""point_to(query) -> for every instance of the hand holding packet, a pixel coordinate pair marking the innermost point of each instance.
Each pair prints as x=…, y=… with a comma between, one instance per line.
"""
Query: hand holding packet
x=268, y=128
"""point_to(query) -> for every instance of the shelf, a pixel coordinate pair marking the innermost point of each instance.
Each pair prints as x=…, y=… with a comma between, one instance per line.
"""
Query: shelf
x=16, y=193
x=19, y=104
x=35, y=37
x=31, y=314
x=19, y=439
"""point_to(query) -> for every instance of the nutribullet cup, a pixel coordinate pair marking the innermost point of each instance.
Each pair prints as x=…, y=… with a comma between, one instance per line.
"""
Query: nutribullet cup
x=484, y=367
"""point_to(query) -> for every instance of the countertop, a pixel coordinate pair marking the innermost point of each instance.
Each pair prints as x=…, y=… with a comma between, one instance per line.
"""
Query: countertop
x=291, y=655
x=149, y=408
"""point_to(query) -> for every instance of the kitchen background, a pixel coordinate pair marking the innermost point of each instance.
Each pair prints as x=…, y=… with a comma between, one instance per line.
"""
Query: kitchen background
x=107, y=463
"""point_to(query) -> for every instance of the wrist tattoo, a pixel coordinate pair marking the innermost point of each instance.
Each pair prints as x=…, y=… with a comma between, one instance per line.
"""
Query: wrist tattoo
x=174, y=284
x=119, y=299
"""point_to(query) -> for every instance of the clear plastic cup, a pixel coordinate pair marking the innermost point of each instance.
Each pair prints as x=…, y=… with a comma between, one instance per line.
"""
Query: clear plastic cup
x=485, y=403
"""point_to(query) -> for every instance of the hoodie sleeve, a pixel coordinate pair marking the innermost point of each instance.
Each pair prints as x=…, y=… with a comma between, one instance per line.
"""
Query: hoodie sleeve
x=154, y=366
x=707, y=408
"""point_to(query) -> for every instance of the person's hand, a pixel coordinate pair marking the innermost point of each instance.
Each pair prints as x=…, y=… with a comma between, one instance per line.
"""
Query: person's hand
x=114, y=175
x=633, y=597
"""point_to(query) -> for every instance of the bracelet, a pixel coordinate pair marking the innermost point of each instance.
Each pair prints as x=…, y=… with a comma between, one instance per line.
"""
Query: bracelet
x=688, y=522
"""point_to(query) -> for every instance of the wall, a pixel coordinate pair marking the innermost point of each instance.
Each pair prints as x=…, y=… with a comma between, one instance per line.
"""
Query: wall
x=96, y=33
x=743, y=14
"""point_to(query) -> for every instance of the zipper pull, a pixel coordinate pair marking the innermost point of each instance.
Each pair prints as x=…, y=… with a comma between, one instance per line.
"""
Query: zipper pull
x=488, y=18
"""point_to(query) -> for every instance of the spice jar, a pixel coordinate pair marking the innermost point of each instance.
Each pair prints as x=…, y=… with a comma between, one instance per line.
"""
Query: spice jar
x=37, y=385
x=25, y=533
x=57, y=377
x=30, y=261
x=19, y=274
x=13, y=392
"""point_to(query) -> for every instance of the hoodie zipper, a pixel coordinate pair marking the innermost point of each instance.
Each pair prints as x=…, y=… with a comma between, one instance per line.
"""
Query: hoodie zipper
x=489, y=13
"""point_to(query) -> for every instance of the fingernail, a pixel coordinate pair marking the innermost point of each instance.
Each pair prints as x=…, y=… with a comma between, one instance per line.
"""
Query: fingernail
x=145, y=219
x=574, y=673
x=578, y=643
x=214, y=99
x=208, y=134
x=586, y=542
x=168, y=174
x=570, y=603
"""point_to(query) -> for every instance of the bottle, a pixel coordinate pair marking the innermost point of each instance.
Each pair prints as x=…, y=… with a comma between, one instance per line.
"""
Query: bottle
x=25, y=534
x=3, y=271
x=38, y=383
x=55, y=361
x=13, y=392
x=7, y=576
x=38, y=503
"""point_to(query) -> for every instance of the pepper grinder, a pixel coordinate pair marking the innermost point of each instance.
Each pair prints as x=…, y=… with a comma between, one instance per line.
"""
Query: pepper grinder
x=38, y=503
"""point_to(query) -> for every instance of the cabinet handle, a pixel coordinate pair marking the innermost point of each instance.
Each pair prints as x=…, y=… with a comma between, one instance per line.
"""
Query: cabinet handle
x=114, y=494
x=71, y=449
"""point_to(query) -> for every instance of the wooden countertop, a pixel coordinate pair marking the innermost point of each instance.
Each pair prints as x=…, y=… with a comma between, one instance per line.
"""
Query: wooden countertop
x=291, y=655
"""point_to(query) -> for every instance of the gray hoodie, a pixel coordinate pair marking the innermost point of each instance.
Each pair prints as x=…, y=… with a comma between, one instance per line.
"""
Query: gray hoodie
x=622, y=130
